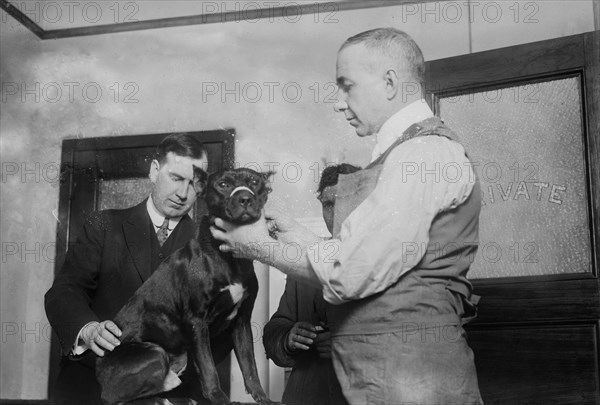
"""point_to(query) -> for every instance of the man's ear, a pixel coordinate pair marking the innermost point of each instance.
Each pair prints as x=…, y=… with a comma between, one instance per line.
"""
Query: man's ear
x=200, y=181
x=392, y=83
x=154, y=168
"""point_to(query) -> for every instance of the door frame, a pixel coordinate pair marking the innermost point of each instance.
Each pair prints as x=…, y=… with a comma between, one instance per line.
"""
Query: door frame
x=520, y=310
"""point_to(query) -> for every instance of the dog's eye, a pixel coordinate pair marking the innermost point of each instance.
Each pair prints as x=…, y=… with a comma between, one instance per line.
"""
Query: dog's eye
x=254, y=182
x=222, y=184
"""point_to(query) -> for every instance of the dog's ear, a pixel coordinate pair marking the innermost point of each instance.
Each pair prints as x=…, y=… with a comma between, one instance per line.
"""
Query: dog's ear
x=200, y=181
x=267, y=176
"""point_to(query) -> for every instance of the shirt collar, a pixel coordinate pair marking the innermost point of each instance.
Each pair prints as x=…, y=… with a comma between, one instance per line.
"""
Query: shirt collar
x=395, y=126
x=156, y=218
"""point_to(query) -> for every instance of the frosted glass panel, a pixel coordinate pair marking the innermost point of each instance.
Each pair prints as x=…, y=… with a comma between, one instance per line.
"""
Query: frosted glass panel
x=123, y=193
x=527, y=145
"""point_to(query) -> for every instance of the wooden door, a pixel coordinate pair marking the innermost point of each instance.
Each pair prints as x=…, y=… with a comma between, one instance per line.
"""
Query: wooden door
x=528, y=116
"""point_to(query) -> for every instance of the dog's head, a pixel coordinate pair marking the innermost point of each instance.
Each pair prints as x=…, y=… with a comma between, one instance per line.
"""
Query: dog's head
x=238, y=195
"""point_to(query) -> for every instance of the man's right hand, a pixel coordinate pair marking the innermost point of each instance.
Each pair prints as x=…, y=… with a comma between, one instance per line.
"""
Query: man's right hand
x=101, y=336
x=300, y=337
x=285, y=229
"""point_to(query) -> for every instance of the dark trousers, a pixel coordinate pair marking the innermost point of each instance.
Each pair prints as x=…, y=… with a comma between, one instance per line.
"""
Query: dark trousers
x=77, y=385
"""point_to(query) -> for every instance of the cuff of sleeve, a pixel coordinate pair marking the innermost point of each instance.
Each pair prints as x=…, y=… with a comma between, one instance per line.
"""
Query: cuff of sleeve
x=289, y=353
x=80, y=347
x=285, y=358
x=323, y=259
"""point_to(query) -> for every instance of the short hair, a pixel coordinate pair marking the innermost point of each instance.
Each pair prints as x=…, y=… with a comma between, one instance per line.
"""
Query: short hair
x=394, y=44
x=330, y=175
x=181, y=144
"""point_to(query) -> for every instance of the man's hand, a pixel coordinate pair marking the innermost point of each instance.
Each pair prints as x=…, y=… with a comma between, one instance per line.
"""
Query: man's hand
x=285, y=229
x=244, y=241
x=300, y=337
x=253, y=242
x=323, y=344
x=101, y=336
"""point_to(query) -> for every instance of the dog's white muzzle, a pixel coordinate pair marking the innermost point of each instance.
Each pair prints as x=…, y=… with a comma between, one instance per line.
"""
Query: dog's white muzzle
x=235, y=190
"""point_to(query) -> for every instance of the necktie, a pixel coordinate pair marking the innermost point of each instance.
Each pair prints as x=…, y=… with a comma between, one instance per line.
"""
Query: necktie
x=162, y=233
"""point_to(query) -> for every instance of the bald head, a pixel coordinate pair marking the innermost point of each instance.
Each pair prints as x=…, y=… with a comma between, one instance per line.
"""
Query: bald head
x=392, y=46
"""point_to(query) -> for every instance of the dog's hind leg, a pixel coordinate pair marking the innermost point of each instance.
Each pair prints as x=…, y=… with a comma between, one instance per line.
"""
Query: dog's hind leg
x=134, y=370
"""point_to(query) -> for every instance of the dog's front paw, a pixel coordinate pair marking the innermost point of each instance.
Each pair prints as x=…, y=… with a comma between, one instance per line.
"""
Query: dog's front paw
x=265, y=400
x=268, y=401
x=218, y=398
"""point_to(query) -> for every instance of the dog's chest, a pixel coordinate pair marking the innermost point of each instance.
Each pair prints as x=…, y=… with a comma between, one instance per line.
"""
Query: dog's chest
x=228, y=301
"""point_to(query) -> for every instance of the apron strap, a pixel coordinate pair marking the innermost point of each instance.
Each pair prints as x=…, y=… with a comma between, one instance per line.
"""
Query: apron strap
x=429, y=126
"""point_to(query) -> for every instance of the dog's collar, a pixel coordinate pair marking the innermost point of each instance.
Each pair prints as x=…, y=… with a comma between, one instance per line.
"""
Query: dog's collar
x=241, y=188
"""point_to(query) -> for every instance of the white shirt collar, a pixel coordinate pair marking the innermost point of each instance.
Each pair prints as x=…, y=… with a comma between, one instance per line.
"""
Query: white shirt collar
x=157, y=219
x=395, y=126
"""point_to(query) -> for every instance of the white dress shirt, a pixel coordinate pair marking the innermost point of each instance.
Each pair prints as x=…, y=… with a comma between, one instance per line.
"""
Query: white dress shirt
x=158, y=219
x=420, y=178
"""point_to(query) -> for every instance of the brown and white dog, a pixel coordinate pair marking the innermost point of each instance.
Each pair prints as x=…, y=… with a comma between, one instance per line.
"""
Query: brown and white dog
x=198, y=302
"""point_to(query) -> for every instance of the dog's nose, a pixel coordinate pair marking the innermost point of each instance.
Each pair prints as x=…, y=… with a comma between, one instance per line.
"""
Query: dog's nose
x=244, y=201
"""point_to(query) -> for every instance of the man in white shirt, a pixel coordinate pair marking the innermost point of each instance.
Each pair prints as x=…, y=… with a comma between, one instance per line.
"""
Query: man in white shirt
x=114, y=254
x=405, y=233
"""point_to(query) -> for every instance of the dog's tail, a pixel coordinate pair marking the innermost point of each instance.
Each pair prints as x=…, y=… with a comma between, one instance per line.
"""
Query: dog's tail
x=133, y=370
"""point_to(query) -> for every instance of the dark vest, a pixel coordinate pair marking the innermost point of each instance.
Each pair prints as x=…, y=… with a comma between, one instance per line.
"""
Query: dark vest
x=160, y=253
x=436, y=291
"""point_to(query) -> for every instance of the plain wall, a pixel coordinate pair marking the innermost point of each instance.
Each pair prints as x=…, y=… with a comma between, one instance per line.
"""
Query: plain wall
x=271, y=80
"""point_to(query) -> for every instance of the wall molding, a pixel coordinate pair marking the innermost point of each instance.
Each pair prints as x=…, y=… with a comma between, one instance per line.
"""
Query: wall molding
x=222, y=17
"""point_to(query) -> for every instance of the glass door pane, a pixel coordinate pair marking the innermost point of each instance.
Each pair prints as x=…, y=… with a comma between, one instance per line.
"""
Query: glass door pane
x=526, y=142
x=123, y=193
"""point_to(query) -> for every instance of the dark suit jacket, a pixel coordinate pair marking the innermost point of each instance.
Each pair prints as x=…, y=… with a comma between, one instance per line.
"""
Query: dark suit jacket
x=110, y=260
x=312, y=380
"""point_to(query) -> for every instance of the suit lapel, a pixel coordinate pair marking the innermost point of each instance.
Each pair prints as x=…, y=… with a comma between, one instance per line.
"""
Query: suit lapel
x=183, y=232
x=136, y=230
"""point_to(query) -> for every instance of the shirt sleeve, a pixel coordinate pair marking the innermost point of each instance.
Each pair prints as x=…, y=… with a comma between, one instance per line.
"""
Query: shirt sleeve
x=79, y=346
x=388, y=233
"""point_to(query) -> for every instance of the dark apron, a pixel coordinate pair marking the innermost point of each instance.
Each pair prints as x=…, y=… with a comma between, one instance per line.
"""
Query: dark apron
x=384, y=350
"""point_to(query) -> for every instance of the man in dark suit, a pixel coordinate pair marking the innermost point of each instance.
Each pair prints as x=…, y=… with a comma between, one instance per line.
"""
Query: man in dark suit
x=114, y=254
x=295, y=336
